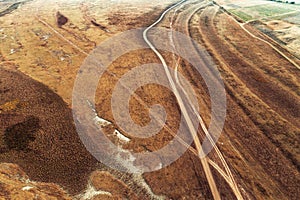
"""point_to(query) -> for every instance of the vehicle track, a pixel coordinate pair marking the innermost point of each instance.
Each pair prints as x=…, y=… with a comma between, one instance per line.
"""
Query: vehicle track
x=229, y=178
x=181, y=103
x=228, y=175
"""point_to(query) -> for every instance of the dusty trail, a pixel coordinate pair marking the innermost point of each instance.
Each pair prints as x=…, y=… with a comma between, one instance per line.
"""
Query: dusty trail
x=184, y=23
x=204, y=161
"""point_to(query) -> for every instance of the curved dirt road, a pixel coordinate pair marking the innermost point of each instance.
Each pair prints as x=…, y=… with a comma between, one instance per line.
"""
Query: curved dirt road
x=182, y=24
x=228, y=177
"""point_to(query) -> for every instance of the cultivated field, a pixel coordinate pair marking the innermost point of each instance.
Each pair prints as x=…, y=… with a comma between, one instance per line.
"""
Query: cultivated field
x=281, y=21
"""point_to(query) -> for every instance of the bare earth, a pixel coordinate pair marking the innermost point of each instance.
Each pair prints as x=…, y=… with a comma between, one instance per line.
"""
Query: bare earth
x=39, y=61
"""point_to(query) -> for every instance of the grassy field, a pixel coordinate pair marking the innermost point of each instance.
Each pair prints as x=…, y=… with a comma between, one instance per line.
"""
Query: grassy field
x=269, y=10
x=244, y=16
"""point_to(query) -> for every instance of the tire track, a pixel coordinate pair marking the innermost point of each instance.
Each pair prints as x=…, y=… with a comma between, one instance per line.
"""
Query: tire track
x=228, y=175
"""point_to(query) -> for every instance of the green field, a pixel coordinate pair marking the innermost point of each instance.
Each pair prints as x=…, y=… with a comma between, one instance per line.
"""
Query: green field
x=263, y=11
x=241, y=14
x=268, y=10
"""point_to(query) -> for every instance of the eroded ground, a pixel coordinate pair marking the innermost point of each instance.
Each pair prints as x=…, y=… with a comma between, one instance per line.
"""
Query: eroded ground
x=260, y=139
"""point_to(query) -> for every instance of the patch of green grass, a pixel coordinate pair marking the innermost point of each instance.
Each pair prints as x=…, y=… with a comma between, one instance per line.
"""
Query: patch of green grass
x=262, y=11
x=241, y=14
x=268, y=10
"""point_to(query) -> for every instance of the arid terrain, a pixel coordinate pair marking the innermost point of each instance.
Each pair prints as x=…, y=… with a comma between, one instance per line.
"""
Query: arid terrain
x=253, y=44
